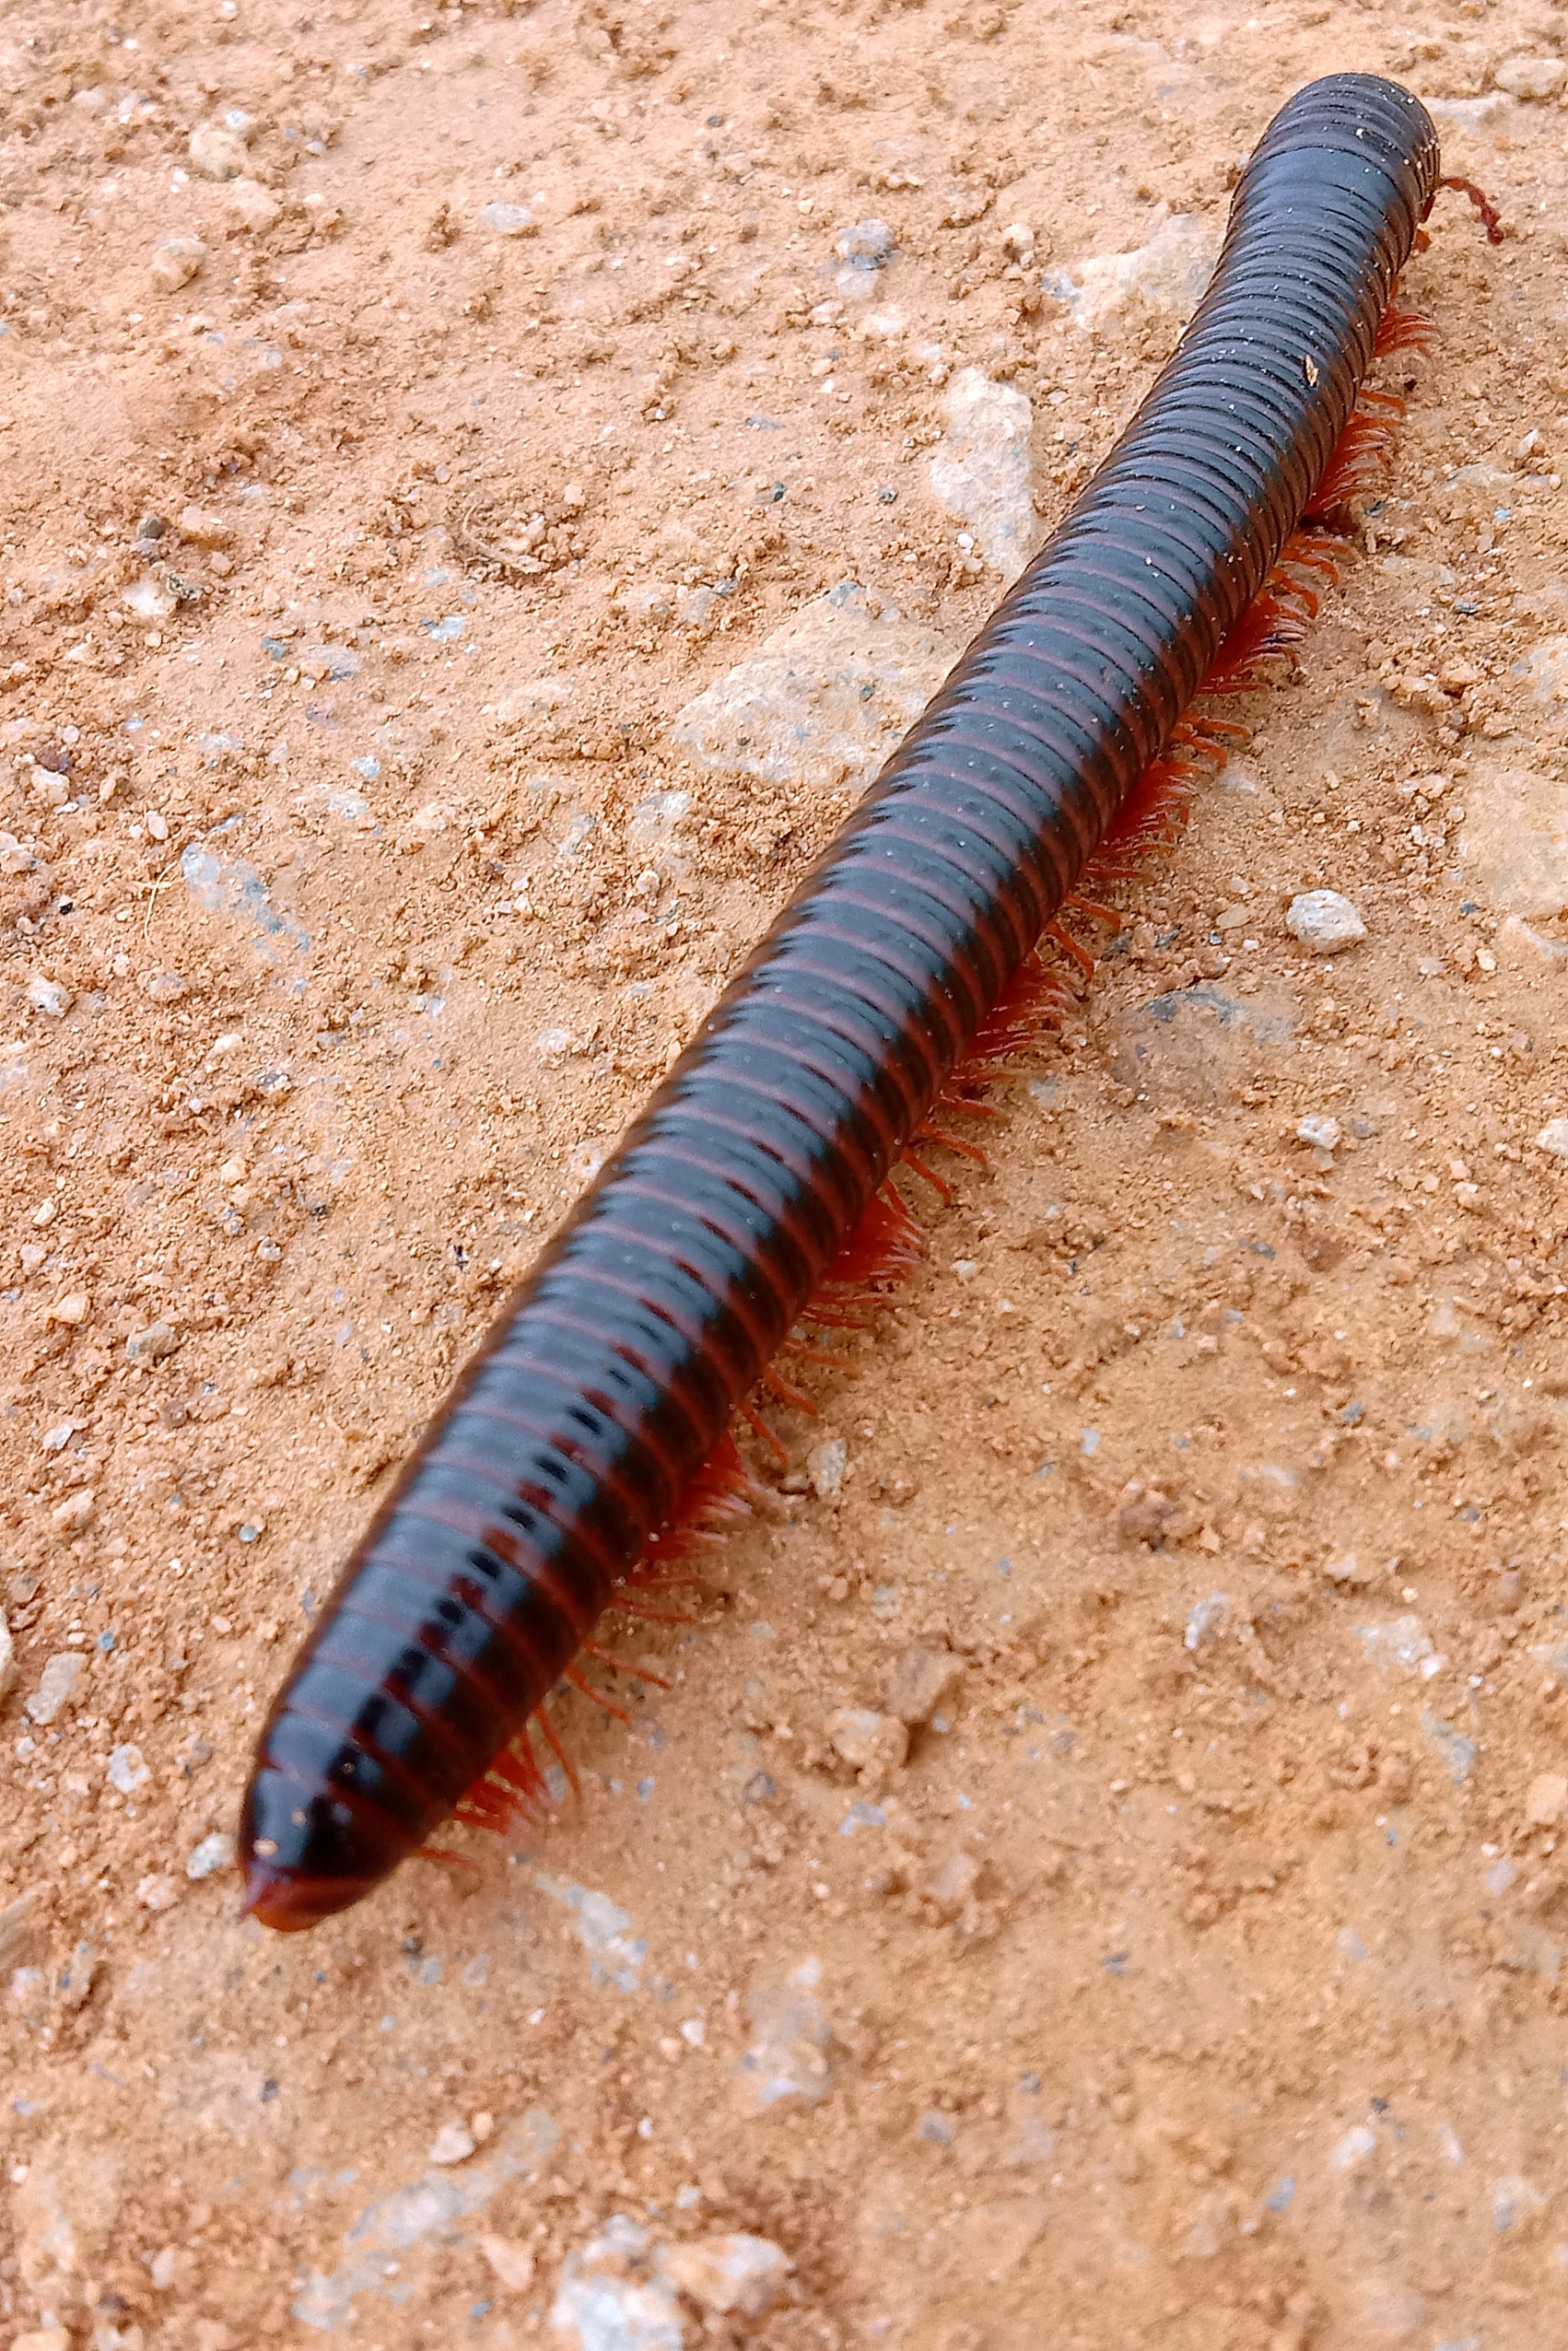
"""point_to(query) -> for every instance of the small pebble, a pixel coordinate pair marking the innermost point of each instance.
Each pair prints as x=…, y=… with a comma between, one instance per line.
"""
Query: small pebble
x=1323, y=1134
x=56, y=1686
x=453, y=2144
x=164, y=987
x=736, y=2277
x=8, y=1657
x=868, y=1740
x=254, y=207
x=175, y=262
x=127, y=1771
x=158, y=1892
x=1526, y=76
x=218, y=152
x=201, y=529
x=1546, y=1799
x=922, y=1680
x=825, y=1465
x=214, y=1852
x=867, y=244
x=72, y=1309
x=1324, y=921
x=507, y=220
x=75, y=1513
x=1553, y=1138
x=47, y=997
x=510, y=2265
x=951, y=1887
x=44, y=1213
x=151, y=1346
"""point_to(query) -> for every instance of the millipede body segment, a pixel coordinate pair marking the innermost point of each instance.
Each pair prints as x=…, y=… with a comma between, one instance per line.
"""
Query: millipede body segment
x=615, y=1371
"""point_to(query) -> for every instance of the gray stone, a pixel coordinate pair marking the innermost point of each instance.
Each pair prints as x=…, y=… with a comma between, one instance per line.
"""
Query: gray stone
x=152, y=1345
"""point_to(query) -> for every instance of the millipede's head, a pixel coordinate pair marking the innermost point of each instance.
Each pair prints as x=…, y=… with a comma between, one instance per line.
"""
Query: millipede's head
x=304, y=1855
x=281, y=1898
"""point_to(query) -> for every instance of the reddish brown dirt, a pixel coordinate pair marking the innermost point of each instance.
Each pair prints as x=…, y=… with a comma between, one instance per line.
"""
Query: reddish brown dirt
x=1197, y=1980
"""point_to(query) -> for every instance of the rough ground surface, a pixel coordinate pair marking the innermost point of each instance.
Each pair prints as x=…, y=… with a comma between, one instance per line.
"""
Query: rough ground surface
x=503, y=379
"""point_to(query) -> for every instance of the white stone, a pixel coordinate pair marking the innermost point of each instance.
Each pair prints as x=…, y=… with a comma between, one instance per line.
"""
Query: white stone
x=217, y=151
x=1168, y=275
x=790, y=2041
x=507, y=220
x=740, y=2275
x=1526, y=76
x=823, y=700
x=175, y=262
x=454, y=2143
x=1324, y=921
x=609, y=2299
x=253, y=207
x=214, y=1854
x=8, y=1657
x=156, y=1892
x=150, y=599
x=1323, y=1134
x=49, y=997
x=57, y=1685
x=981, y=472
x=1553, y=1138
x=825, y=1465
x=127, y=1769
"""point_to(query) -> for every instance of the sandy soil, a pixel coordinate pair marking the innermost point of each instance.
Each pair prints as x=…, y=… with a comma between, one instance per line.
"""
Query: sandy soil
x=1197, y=1979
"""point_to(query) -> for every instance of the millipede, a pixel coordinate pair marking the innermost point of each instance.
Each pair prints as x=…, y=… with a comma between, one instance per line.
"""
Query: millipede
x=587, y=1449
